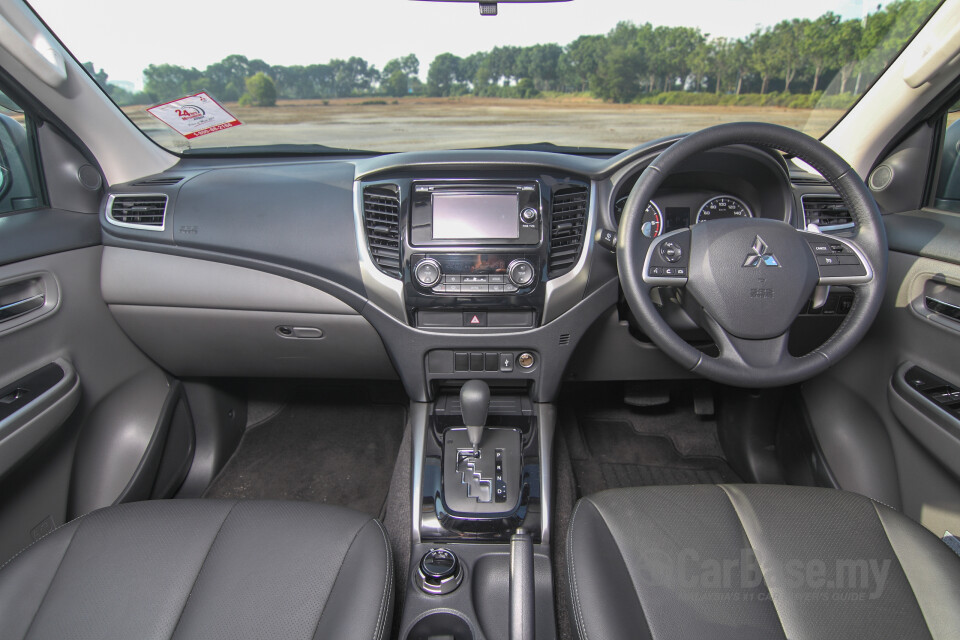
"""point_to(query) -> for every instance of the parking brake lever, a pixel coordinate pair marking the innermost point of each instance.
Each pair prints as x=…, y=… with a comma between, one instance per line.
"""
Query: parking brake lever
x=522, y=611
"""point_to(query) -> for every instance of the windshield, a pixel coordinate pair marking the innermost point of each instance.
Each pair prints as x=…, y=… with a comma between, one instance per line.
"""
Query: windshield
x=400, y=75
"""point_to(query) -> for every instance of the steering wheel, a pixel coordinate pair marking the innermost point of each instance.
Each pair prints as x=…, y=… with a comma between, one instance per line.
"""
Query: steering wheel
x=749, y=279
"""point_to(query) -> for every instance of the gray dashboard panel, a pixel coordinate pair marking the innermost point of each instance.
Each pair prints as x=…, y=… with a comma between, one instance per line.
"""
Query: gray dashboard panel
x=299, y=214
x=147, y=278
x=190, y=342
x=299, y=219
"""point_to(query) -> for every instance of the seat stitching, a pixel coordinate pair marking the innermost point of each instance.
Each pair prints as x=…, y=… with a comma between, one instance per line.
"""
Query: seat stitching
x=387, y=589
x=577, y=612
x=333, y=586
x=49, y=533
x=886, y=535
x=753, y=548
x=52, y=580
x=625, y=566
x=200, y=569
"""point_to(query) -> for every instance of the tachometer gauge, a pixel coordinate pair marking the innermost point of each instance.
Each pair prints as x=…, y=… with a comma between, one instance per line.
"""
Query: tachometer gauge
x=723, y=207
x=652, y=223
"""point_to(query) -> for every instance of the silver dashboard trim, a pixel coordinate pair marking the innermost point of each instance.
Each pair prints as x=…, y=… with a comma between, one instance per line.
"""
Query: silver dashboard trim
x=418, y=417
x=384, y=291
x=566, y=291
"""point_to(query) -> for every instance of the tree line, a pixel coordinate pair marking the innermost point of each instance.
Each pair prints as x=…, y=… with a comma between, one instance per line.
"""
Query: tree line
x=632, y=62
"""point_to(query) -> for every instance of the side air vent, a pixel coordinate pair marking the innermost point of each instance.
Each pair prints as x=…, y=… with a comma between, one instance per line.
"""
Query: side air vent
x=141, y=211
x=381, y=218
x=827, y=212
x=159, y=181
x=568, y=224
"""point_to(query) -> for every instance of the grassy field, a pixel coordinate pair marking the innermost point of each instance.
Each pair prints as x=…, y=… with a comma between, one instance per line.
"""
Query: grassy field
x=443, y=123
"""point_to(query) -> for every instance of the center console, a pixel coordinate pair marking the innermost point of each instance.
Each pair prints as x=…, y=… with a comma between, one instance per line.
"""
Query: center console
x=480, y=560
x=475, y=247
x=468, y=265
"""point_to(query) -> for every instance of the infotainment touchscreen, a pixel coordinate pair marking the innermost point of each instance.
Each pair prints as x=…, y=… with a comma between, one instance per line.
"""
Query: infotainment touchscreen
x=466, y=216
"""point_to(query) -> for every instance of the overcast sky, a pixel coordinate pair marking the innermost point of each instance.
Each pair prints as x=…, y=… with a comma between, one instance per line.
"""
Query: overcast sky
x=124, y=36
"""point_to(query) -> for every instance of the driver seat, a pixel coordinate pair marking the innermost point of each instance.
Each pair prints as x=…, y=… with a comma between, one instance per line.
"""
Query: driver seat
x=756, y=561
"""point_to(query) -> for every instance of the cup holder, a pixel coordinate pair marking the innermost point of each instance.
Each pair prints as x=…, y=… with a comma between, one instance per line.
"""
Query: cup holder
x=441, y=624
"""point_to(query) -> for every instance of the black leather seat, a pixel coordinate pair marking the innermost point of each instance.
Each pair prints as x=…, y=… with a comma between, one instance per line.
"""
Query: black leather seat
x=754, y=561
x=203, y=569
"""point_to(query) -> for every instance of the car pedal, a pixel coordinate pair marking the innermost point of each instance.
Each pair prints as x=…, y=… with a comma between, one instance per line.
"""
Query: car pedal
x=638, y=394
x=703, y=402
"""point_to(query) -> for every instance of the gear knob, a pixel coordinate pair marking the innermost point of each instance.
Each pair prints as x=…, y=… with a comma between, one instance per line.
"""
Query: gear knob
x=474, y=403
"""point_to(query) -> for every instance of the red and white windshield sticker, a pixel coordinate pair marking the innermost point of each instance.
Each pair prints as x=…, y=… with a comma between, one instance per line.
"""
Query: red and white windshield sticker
x=194, y=116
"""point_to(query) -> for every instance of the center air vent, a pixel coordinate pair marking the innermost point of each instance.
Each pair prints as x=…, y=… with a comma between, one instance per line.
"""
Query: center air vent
x=142, y=211
x=568, y=223
x=381, y=219
x=827, y=212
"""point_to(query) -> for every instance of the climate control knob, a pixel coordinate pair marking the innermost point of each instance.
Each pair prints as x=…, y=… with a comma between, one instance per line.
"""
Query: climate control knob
x=427, y=272
x=521, y=273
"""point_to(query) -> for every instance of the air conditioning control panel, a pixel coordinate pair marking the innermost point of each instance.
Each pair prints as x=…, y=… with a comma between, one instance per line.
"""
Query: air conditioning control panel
x=475, y=274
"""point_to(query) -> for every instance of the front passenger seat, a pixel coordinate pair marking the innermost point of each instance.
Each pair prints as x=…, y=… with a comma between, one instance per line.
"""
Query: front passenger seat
x=203, y=569
x=755, y=561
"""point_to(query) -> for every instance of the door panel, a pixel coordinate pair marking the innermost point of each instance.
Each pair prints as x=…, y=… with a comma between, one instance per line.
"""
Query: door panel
x=921, y=435
x=78, y=333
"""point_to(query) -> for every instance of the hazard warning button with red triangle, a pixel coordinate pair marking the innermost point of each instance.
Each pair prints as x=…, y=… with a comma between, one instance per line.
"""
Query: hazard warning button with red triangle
x=474, y=318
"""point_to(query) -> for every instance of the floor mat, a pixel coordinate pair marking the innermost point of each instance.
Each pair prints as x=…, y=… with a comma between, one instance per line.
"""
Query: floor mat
x=605, y=444
x=633, y=452
x=341, y=454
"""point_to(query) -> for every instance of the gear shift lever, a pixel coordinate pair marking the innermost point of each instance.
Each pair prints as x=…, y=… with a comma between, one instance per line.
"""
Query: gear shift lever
x=474, y=403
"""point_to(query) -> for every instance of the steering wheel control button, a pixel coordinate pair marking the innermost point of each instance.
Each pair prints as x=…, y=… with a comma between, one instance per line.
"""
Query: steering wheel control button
x=668, y=260
x=439, y=572
x=837, y=261
x=506, y=363
x=671, y=251
x=529, y=215
x=607, y=239
x=525, y=360
x=521, y=273
x=427, y=272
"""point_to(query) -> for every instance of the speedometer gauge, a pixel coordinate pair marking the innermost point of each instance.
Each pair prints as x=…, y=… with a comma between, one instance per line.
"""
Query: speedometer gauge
x=723, y=207
x=652, y=222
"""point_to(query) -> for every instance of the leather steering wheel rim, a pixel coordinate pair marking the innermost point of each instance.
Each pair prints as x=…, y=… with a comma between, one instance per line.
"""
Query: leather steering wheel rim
x=745, y=362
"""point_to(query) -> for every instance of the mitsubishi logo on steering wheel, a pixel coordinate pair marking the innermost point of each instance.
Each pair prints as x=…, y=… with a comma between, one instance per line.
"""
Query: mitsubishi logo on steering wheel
x=760, y=254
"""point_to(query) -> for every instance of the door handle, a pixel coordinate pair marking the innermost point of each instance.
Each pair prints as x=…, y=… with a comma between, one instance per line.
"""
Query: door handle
x=21, y=307
x=952, y=311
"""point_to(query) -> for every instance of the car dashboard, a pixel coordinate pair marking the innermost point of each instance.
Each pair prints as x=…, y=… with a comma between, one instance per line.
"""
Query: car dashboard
x=432, y=267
